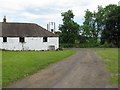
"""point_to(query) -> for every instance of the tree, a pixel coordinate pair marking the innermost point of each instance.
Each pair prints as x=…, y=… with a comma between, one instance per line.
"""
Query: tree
x=111, y=32
x=69, y=29
x=100, y=22
x=104, y=23
x=89, y=26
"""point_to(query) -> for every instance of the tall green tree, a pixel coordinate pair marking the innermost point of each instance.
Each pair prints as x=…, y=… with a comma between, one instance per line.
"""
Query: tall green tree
x=89, y=26
x=104, y=23
x=111, y=32
x=69, y=29
x=100, y=22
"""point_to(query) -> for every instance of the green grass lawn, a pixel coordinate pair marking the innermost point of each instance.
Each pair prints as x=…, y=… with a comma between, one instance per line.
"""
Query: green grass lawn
x=19, y=64
x=0, y=69
x=110, y=55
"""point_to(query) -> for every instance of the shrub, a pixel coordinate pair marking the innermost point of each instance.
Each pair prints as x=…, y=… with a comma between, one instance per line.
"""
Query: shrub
x=61, y=49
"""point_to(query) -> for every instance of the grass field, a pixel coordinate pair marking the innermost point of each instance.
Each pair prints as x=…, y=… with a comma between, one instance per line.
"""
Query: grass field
x=19, y=64
x=110, y=55
x=0, y=69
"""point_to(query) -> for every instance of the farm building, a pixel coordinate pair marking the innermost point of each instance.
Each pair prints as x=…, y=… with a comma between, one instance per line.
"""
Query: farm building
x=26, y=36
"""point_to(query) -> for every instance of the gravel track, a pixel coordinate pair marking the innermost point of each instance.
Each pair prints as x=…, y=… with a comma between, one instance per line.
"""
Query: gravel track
x=81, y=70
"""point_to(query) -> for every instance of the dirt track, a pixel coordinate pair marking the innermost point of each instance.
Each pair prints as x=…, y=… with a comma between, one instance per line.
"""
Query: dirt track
x=82, y=70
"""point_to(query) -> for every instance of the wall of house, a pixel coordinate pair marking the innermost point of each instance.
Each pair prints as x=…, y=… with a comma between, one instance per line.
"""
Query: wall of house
x=31, y=43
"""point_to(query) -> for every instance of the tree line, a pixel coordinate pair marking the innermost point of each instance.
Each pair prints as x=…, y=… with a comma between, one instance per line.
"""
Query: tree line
x=100, y=28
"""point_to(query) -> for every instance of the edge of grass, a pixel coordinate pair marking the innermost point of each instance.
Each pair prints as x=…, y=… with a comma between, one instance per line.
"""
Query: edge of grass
x=111, y=62
x=38, y=68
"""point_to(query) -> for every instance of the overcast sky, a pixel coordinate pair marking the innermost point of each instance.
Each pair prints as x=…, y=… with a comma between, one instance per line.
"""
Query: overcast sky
x=44, y=11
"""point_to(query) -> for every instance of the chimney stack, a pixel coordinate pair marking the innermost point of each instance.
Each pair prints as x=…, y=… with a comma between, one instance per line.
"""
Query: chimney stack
x=4, y=19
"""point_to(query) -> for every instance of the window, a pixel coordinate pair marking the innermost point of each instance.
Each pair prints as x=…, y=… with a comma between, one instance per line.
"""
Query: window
x=21, y=39
x=4, y=39
x=44, y=39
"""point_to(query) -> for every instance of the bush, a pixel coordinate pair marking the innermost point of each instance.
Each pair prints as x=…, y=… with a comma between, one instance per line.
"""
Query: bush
x=80, y=45
x=59, y=49
x=69, y=45
x=108, y=45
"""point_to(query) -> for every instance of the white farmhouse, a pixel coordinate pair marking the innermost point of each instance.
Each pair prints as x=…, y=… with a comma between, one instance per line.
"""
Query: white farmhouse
x=26, y=36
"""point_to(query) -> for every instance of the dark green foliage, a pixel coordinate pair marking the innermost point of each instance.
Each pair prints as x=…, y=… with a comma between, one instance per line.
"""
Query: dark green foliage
x=104, y=24
x=111, y=32
x=69, y=29
x=89, y=33
x=99, y=29
x=59, y=49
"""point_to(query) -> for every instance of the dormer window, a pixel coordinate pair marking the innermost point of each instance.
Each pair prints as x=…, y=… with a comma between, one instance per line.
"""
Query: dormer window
x=4, y=39
x=21, y=39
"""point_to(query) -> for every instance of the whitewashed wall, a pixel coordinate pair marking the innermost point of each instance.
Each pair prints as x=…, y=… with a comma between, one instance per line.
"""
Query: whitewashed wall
x=31, y=43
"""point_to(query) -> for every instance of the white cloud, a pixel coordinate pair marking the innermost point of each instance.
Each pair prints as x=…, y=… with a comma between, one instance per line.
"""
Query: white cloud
x=44, y=11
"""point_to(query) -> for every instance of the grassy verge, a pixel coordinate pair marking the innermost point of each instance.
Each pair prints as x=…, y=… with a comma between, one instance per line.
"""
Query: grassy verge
x=110, y=55
x=19, y=64
x=0, y=69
